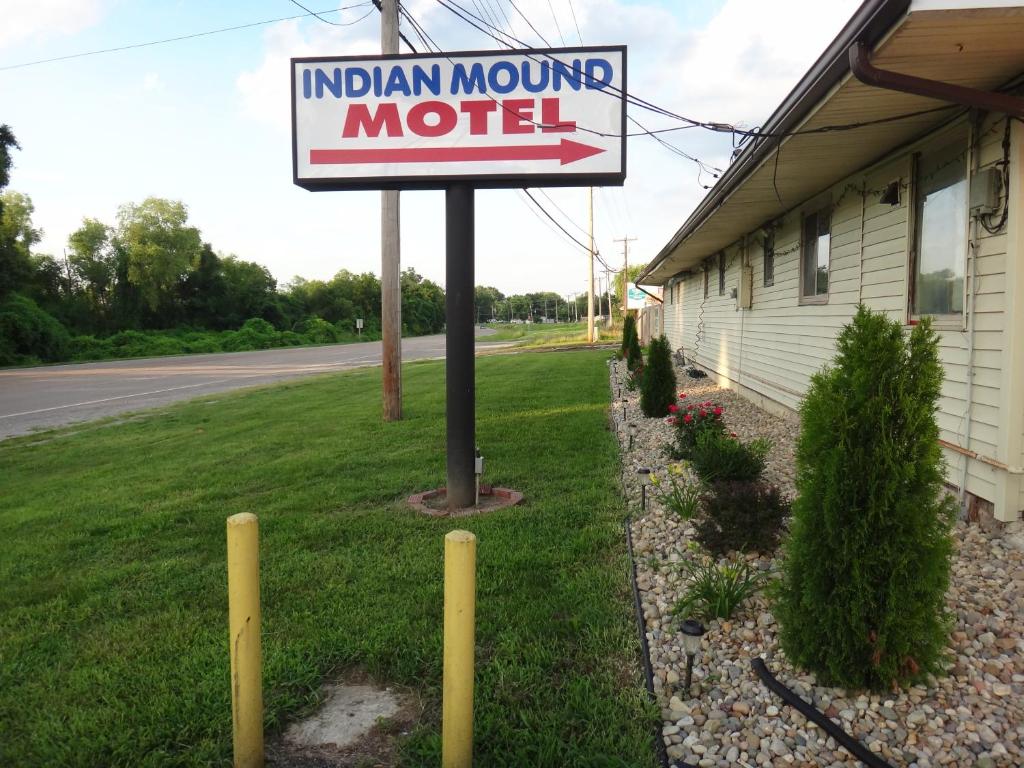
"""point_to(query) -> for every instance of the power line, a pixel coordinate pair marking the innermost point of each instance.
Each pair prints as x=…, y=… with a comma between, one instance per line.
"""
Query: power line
x=575, y=23
x=327, y=21
x=558, y=27
x=186, y=37
x=528, y=23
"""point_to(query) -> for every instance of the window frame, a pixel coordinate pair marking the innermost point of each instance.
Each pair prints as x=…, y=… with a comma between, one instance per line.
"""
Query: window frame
x=956, y=321
x=768, y=257
x=814, y=210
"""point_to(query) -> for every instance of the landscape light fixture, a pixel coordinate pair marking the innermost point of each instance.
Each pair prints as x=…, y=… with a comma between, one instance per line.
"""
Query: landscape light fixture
x=645, y=479
x=632, y=434
x=478, y=471
x=692, y=631
x=623, y=405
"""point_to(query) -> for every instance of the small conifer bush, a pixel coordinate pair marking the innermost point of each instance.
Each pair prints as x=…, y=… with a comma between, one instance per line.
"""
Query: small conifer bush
x=634, y=354
x=866, y=567
x=658, y=385
x=742, y=516
x=628, y=330
x=718, y=456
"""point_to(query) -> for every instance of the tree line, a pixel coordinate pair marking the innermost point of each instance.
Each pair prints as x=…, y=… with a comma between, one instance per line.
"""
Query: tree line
x=147, y=283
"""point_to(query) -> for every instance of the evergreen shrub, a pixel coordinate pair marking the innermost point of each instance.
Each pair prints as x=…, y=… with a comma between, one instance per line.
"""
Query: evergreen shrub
x=658, y=384
x=628, y=331
x=718, y=456
x=742, y=516
x=634, y=355
x=862, y=597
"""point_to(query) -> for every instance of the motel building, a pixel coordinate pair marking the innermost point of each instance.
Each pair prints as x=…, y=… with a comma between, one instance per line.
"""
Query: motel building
x=918, y=211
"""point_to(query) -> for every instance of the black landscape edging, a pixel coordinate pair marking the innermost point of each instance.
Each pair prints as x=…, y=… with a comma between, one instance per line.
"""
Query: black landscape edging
x=659, y=741
x=851, y=745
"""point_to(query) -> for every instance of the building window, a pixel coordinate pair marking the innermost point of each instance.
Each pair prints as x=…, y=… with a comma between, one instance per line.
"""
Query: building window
x=721, y=274
x=939, y=255
x=817, y=239
x=769, y=259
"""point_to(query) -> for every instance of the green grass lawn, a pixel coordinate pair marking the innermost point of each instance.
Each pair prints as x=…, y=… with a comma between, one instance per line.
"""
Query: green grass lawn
x=552, y=334
x=113, y=610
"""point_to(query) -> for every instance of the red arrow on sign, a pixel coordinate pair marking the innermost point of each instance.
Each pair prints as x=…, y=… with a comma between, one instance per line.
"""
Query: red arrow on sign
x=565, y=152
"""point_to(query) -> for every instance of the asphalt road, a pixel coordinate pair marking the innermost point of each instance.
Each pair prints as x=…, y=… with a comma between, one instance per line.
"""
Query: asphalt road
x=52, y=396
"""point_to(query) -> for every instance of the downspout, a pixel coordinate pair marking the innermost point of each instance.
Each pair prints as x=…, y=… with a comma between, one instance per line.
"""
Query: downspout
x=989, y=101
x=972, y=246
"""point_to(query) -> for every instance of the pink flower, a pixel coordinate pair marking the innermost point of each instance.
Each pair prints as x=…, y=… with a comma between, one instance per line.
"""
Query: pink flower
x=687, y=418
x=673, y=408
x=732, y=434
x=718, y=411
x=703, y=413
x=670, y=420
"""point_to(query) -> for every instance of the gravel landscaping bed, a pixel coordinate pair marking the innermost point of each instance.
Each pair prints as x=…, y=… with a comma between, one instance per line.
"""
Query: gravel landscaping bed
x=972, y=717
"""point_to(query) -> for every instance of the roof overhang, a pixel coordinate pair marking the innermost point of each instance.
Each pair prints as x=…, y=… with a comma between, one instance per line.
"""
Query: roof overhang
x=971, y=44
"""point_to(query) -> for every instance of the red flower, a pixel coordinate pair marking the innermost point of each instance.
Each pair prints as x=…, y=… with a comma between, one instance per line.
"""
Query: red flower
x=703, y=413
x=718, y=411
x=673, y=408
x=732, y=434
x=682, y=395
x=687, y=418
x=670, y=420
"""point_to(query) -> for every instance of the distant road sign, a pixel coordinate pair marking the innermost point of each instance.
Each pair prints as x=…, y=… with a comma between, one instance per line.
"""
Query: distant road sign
x=550, y=117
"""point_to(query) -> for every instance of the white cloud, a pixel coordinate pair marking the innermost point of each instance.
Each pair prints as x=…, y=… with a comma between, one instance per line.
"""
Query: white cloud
x=38, y=19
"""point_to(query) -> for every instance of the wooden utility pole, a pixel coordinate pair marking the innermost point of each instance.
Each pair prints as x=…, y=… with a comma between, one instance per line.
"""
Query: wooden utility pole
x=391, y=261
x=625, y=271
x=590, y=270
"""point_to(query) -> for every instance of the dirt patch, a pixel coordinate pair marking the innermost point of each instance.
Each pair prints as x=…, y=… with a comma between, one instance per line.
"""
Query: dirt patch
x=358, y=724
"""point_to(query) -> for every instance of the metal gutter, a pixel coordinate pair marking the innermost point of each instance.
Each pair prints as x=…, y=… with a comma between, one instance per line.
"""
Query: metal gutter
x=869, y=74
x=869, y=23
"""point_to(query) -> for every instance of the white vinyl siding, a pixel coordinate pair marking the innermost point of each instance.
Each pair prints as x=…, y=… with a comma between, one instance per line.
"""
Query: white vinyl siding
x=784, y=342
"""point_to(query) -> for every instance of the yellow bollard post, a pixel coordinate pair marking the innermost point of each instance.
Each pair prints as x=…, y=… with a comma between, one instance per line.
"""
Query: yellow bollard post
x=459, y=647
x=244, y=623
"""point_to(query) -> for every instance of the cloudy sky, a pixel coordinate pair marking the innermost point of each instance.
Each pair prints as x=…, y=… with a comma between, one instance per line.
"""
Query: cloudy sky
x=206, y=121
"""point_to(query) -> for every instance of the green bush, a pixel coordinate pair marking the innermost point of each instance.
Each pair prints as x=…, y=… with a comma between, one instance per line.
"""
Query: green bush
x=658, y=383
x=694, y=420
x=628, y=332
x=318, y=331
x=716, y=591
x=741, y=516
x=634, y=355
x=866, y=567
x=718, y=456
x=27, y=333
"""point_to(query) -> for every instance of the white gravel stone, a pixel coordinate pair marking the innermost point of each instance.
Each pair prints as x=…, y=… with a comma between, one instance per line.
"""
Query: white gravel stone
x=974, y=716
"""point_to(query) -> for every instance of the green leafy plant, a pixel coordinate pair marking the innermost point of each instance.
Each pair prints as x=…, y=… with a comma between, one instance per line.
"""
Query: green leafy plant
x=681, y=498
x=692, y=420
x=866, y=568
x=658, y=385
x=742, y=516
x=718, y=456
x=716, y=590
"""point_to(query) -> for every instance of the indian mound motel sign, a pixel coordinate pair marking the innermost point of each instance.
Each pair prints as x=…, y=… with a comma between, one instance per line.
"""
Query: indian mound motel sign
x=458, y=121
x=496, y=119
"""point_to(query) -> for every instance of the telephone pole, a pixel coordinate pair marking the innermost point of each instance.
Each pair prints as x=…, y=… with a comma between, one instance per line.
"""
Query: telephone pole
x=390, y=252
x=608, y=291
x=590, y=270
x=625, y=271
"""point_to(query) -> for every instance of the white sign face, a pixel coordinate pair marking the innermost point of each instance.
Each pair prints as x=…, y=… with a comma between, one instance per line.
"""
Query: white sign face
x=635, y=298
x=495, y=119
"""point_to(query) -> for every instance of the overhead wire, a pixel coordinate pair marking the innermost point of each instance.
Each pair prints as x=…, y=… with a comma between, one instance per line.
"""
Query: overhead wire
x=558, y=27
x=328, y=21
x=191, y=36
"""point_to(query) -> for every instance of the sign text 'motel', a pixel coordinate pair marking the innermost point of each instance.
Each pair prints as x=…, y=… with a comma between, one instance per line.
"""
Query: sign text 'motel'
x=494, y=119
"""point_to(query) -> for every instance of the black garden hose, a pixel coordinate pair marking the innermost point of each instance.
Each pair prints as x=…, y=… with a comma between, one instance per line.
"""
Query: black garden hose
x=854, y=747
x=645, y=650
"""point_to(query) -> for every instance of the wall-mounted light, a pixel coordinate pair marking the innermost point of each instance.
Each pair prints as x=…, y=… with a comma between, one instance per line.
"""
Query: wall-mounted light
x=645, y=479
x=692, y=632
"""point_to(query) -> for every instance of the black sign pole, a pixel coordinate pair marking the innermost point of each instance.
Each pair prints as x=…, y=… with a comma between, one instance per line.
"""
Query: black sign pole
x=460, y=385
